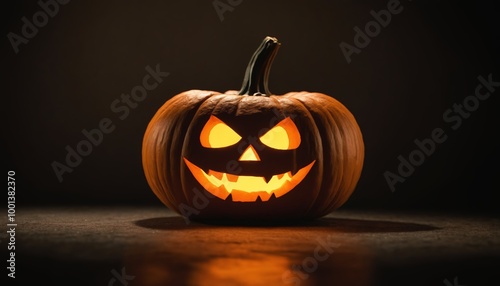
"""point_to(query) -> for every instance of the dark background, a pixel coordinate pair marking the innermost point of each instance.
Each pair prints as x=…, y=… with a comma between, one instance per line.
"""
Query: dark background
x=424, y=61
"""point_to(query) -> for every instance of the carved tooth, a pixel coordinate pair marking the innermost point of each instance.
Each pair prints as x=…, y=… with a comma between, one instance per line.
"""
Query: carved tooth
x=279, y=176
x=225, y=188
x=267, y=178
x=265, y=197
x=273, y=197
x=229, y=198
x=232, y=178
x=216, y=174
x=258, y=199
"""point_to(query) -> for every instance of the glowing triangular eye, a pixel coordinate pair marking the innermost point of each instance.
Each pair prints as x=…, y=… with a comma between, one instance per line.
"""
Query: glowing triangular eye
x=216, y=134
x=283, y=136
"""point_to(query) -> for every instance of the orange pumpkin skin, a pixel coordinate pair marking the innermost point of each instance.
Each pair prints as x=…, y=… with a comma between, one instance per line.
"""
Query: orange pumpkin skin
x=331, y=149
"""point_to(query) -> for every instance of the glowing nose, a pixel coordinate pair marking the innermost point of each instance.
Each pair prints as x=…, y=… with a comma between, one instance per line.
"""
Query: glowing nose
x=249, y=155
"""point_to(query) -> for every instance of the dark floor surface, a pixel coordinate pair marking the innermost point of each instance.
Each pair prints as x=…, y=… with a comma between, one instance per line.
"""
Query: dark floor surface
x=154, y=246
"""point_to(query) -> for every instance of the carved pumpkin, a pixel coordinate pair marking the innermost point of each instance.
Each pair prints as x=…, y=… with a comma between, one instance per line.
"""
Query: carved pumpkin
x=251, y=154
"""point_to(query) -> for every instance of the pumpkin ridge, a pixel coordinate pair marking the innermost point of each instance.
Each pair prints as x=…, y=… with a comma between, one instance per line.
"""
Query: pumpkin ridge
x=347, y=128
x=338, y=142
x=351, y=134
x=182, y=165
x=321, y=161
x=238, y=105
x=159, y=171
x=331, y=189
x=172, y=154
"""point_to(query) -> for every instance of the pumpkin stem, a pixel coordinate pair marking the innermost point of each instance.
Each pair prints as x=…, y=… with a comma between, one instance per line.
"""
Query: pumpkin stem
x=257, y=73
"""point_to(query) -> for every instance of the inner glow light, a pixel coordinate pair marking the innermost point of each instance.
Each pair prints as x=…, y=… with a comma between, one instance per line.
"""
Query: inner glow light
x=276, y=138
x=283, y=136
x=216, y=134
x=247, y=188
x=249, y=155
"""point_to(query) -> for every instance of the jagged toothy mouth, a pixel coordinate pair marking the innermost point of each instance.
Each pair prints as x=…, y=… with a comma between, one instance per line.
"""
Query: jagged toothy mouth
x=240, y=188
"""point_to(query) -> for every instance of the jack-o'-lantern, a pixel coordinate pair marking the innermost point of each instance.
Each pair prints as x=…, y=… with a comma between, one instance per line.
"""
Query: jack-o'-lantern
x=251, y=154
